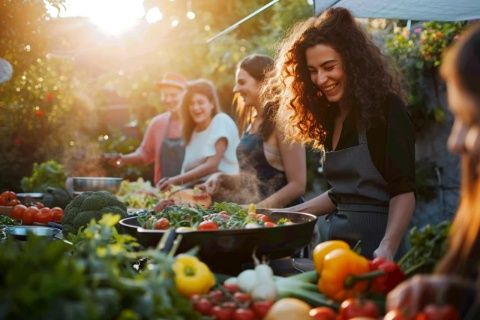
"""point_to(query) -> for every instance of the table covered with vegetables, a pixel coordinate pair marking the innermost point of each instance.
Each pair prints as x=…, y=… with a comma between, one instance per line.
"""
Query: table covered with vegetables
x=100, y=270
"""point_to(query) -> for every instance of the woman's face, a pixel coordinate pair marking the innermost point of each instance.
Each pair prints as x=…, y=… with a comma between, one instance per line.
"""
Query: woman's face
x=464, y=137
x=201, y=108
x=247, y=87
x=326, y=71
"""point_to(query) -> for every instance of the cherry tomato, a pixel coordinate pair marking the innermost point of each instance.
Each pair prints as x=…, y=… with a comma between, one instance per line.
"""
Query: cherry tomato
x=352, y=308
x=17, y=212
x=215, y=296
x=395, y=315
x=195, y=297
x=322, y=313
x=207, y=225
x=242, y=297
x=57, y=214
x=39, y=205
x=44, y=215
x=162, y=224
x=29, y=215
x=7, y=198
x=221, y=313
x=243, y=314
x=204, y=306
x=263, y=217
x=261, y=307
x=445, y=312
x=269, y=224
x=231, y=287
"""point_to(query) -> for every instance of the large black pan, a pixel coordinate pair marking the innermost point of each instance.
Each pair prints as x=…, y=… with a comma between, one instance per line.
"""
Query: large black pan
x=227, y=250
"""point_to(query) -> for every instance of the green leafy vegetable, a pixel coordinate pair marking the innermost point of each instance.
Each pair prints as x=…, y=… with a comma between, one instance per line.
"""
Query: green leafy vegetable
x=44, y=175
x=93, y=279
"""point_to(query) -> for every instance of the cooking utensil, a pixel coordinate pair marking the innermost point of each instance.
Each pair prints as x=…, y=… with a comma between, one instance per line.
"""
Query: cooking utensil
x=81, y=184
x=226, y=250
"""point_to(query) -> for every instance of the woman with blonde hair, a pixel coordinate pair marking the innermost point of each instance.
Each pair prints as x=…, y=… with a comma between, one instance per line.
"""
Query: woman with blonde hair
x=211, y=136
x=452, y=282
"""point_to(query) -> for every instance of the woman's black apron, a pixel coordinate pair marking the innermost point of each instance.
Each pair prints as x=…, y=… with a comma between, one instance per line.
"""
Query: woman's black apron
x=361, y=196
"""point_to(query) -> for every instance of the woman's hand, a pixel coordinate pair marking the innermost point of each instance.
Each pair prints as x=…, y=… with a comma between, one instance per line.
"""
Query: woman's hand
x=384, y=251
x=413, y=295
x=165, y=184
x=213, y=183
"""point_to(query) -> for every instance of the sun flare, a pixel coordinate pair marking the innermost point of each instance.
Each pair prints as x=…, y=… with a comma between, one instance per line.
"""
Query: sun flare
x=111, y=16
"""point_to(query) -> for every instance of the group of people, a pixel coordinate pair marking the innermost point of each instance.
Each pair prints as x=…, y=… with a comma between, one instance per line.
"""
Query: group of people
x=331, y=88
x=195, y=142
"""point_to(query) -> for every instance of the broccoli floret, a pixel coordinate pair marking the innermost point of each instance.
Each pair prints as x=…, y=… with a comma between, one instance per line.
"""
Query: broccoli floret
x=90, y=205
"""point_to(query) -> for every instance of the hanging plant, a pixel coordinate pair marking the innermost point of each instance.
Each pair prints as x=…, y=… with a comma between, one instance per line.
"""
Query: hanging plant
x=418, y=54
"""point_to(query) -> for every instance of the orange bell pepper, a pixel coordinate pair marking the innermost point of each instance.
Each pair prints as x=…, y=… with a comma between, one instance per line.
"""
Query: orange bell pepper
x=338, y=265
x=324, y=248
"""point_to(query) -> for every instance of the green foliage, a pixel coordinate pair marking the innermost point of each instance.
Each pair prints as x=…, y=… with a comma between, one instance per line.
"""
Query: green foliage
x=93, y=279
x=90, y=205
x=418, y=54
x=428, y=246
x=44, y=175
x=425, y=180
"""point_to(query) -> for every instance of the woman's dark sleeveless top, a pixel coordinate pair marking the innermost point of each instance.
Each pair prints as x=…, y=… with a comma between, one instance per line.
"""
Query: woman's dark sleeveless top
x=251, y=157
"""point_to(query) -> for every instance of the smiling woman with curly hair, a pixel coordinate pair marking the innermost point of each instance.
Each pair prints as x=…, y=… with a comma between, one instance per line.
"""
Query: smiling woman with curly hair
x=336, y=91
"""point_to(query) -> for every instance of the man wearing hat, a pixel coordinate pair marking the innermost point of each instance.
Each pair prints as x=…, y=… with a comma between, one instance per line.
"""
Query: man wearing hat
x=162, y=143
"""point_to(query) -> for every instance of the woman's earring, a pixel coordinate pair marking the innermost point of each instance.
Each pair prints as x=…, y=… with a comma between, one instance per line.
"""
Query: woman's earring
x=319, y=93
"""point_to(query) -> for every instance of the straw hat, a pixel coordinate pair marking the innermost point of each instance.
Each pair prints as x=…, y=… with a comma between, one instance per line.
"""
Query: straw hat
x=172, y=79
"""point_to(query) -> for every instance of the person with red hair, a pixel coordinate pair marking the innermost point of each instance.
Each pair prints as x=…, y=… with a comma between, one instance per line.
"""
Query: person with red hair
x=455, y=276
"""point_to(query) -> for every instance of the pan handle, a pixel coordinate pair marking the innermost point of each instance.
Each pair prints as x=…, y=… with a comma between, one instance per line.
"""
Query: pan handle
x=166, y=242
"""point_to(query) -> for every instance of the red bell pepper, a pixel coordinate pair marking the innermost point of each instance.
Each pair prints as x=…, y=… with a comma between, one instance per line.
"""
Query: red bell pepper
x=392, y=275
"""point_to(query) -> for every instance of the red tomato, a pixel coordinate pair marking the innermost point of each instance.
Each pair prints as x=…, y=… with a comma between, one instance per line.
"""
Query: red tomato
x=17, y=212
x=7, y=198
x=204, y=306
x=44, y=216
x=162, y=224
x=270, y=224
x=263, y=217
x=395, y=315
x=221, y=313
x=352, y=308
x=422, y=316
x=57, y=214
x=29, y=215
x=207, y=225
x=39, y=205
x=322, y=313
x=231, y=287
x=243, y=314
x=261, y=307
x=445, y=312
x=215, y=296
x=242, y=297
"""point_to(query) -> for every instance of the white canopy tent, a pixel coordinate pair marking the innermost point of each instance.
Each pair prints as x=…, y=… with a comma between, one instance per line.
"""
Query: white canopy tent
x=422, y=10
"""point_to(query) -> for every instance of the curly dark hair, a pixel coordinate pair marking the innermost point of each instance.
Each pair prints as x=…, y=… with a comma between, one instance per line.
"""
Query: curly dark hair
x=369, y=79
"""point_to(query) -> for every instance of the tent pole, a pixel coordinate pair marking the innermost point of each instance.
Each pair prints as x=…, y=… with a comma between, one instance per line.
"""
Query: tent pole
x=239, y=22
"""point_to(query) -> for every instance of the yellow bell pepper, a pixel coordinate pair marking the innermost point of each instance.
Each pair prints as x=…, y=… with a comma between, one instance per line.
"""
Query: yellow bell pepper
x=338, y=265
x=192, y=276
x=324, y=248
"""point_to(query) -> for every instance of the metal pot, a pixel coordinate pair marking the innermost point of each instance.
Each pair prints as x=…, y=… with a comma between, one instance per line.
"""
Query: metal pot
x=225, y=251
x=21, y=232
x=110, y=184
